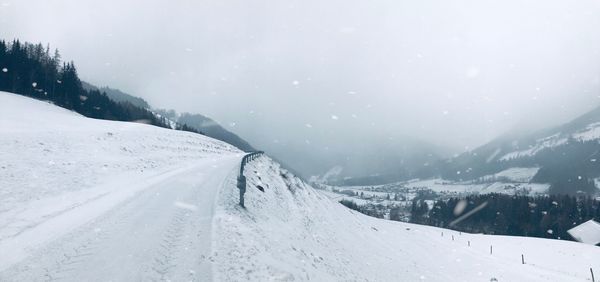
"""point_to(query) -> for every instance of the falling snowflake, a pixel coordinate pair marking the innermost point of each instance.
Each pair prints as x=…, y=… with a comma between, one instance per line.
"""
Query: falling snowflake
x=460, y=207
x=550, y=231
x=34, y=84
x=4, y=70
x=295, y=82
x=308, y=125
x=334, y=117
x=232, y=124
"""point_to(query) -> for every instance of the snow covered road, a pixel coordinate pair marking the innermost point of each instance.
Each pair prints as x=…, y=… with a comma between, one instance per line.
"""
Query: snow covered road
x=162, y=232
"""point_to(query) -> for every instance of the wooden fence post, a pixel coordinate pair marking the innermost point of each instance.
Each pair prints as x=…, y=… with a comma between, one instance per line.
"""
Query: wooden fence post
x=522, y=259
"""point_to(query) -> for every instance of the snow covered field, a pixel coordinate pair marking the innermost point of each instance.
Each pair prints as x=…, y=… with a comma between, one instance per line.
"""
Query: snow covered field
x=84, y=200
x=518, y=174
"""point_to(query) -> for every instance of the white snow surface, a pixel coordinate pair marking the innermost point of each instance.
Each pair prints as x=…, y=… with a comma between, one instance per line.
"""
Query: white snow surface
x=587, y=232
x=589, y=133
x=292, y=232
x=84, y=199
x=445, y=186
x=541, y=144
x=518, y=174
x=144, y=203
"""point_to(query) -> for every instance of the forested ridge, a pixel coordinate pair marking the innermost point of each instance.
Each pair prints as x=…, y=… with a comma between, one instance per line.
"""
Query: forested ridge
x=35, y=71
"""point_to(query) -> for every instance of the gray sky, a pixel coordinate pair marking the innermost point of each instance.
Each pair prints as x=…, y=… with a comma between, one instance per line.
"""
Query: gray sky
x=308, y=74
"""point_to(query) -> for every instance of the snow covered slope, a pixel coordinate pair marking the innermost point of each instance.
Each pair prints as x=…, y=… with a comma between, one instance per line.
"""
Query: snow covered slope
x=293, y=232
x=88, y=199
x=92, y=200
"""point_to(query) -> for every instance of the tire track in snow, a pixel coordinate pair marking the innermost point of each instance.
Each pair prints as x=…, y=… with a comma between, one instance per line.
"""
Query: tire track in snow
x=164, y=260
x=73, y=248
x=158, y=234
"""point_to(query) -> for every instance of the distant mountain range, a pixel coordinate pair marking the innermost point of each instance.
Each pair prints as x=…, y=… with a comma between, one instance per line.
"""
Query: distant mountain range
x=197, y=122
x=371, y=162
x=117, y=95
x=208, y=127
x=566, y=156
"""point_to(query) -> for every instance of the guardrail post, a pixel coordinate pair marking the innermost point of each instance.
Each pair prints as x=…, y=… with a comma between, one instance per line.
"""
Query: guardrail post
x=241, y=184
x=241, y=179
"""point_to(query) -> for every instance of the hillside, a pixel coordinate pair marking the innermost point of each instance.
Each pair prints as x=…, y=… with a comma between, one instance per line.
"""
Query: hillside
x=197, y=122
x=86, y=199
x=211, y=128
x=567, y=156
x=72, y=186
x=372, y=160
x=31, y=70
x=118, y=95
x=293, y=232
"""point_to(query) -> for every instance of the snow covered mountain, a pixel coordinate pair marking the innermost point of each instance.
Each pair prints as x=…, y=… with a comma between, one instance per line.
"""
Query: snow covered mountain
x=117, y=95
x=85, y=199
x=567, y=156
x=197, y=122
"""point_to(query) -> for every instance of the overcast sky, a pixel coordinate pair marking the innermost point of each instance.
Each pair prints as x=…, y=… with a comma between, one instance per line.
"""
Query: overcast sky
x=308, y=74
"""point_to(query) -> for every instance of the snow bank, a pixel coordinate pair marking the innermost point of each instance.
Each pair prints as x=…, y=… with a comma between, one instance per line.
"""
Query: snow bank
x=292, y=232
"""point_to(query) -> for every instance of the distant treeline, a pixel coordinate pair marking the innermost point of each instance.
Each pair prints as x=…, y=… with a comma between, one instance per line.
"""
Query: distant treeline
x=543, y=216
x=368, y=209
x=34, y=71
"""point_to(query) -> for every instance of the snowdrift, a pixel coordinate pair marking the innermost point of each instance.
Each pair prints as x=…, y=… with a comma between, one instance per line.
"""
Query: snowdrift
x=292, y=232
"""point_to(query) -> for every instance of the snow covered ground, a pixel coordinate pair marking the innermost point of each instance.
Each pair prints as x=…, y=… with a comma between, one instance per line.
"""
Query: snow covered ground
x=518, y=174
x=541, y=144
x=589, y=133
x=442, y=186
x=84, y=200
x=293, y=232
x=88, y=199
